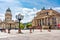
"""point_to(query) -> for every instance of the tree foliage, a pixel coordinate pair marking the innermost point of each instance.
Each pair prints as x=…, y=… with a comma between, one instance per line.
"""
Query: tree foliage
x=28, y=25
x=21, y=26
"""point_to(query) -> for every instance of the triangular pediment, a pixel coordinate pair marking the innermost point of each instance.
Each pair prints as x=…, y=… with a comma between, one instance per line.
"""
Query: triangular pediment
x=45, y=13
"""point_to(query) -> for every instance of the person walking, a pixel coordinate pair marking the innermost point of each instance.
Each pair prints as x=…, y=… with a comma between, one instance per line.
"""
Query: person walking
x=40, y=28
x=30, y=29
x=49, y=29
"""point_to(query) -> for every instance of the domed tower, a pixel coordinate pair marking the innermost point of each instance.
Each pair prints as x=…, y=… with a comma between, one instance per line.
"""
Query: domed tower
x=8, y=15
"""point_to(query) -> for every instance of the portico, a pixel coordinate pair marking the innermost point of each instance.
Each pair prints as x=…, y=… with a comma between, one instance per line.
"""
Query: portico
x=45, y=17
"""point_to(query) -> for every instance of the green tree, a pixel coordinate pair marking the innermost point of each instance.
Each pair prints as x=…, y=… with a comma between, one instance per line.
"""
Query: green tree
x=21, y=26
x=28, y=25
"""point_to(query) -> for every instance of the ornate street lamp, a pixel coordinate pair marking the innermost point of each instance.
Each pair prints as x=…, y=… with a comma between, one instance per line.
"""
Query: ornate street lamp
x=19, y=17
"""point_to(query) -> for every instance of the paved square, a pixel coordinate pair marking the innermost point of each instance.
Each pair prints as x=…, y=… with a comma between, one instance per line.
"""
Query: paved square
x=36, y=35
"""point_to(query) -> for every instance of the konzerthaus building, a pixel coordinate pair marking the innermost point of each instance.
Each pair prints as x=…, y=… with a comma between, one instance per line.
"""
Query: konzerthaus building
x=8, y=22
x=45, y=17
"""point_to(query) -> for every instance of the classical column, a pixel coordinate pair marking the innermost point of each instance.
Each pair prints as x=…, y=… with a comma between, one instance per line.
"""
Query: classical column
x=51, y=21
x=41, y=22
x=57, y=21
x=44, y=21
x=36, y=22
x=47, y=21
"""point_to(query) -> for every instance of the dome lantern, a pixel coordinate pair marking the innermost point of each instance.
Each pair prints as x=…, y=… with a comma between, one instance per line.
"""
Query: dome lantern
x=8, y=10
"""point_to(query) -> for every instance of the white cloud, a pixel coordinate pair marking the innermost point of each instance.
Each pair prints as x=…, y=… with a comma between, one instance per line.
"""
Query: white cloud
x=7, y=0
x=27, y=13
x=57, y=9
x=4, y=4
x=16, y=8
x=2, y=16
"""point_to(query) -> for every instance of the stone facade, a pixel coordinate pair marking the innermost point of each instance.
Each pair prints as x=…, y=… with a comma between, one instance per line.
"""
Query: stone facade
x=8, y=22
x=46, y=17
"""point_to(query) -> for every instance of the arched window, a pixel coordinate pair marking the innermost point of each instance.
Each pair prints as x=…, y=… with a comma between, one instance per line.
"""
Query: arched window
x=8, y=18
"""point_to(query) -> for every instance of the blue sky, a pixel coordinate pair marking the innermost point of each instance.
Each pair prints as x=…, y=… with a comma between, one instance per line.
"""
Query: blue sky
x=28, y=8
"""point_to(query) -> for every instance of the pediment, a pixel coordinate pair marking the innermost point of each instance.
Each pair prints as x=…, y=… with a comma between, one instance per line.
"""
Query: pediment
x=47, y=12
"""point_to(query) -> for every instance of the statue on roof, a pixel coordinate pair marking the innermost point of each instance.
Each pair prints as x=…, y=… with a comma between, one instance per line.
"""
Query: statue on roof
x=43, y=8
x=50, y=8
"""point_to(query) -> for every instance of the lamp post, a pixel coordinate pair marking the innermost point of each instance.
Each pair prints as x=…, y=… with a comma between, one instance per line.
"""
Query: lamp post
x=19, y=17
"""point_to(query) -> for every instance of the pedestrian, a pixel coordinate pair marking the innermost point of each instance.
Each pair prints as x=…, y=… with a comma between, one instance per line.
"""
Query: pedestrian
x=8, y=30
x=30, y=29
x=49, y=29
x=40, y=28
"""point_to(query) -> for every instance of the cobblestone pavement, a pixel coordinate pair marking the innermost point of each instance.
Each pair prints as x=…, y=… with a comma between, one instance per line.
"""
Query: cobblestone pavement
x=36, y=35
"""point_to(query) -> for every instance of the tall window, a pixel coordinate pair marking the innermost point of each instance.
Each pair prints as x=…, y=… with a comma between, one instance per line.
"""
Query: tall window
x=54, y=20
